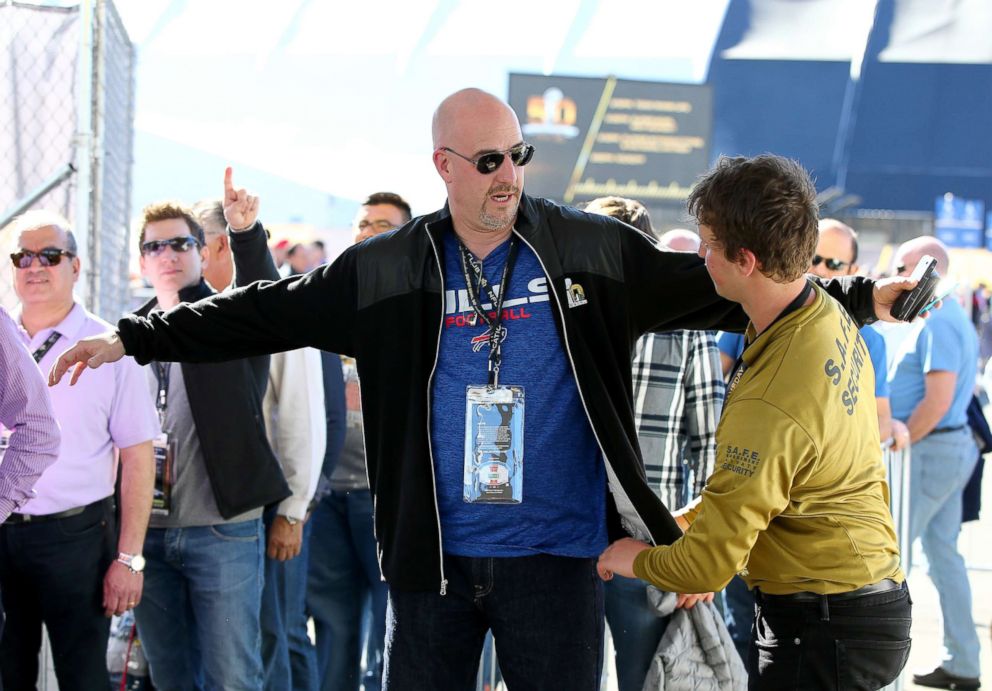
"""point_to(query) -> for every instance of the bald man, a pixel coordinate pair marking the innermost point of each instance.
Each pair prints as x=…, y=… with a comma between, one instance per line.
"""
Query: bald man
x=493, y=341
x=931, y=383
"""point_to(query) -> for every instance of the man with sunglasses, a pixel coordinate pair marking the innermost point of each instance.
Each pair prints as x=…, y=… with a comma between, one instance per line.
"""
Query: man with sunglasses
x=62, y=563
x=205, y=549
x=836, y=256
x=459, y=321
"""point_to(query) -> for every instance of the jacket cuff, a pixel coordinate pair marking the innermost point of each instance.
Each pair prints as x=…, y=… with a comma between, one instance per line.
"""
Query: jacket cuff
x=293, y=508
x=129, y=329
x=639, y=569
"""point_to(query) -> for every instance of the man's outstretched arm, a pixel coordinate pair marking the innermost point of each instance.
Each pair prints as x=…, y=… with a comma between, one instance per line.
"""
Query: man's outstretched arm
x=316, y=310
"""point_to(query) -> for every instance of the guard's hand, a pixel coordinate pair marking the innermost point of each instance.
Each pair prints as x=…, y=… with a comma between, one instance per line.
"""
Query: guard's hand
x=121, y=589
x=240, y=208
x=618, y=558
x=689, y=600
x=887, y=291
x=89, y=352
x=285, y=540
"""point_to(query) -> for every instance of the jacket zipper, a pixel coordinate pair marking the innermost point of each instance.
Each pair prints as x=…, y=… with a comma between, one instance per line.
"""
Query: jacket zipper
x=430, y=381
x=575, y=375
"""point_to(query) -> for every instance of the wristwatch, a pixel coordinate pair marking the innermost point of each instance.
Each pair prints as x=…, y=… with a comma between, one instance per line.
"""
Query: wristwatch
x=134, y=562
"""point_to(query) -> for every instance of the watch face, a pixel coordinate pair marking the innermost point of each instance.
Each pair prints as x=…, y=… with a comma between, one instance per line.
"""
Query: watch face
x=138, y=563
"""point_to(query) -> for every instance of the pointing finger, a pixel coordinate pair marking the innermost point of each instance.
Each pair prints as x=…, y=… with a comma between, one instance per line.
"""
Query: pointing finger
x=228, y=185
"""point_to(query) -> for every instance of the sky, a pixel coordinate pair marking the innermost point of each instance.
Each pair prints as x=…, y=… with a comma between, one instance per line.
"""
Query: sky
x=319, y=103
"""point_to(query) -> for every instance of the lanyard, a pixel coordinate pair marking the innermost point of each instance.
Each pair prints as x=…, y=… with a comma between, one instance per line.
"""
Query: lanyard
x=740, y=367
x=497, y=332
x=46, y=346
x=161, y=370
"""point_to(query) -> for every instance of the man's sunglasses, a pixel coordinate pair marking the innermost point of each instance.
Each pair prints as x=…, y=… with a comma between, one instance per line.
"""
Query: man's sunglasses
x=50, y=256
x=154, y=248
x=832, y=264
x=490, y=163
x=380, y=226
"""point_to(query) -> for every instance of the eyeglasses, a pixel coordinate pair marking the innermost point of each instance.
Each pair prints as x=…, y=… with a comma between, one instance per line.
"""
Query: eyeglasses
x=154, y=248
x=380, y=226
x=49, y=256
x=490, y=163
x=832, y=264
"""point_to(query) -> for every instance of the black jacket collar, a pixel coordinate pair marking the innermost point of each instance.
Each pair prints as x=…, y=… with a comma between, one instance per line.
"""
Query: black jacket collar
x=191, y=293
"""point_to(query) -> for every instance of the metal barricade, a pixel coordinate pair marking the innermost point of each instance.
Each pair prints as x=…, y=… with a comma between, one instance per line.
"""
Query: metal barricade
x=897, y=471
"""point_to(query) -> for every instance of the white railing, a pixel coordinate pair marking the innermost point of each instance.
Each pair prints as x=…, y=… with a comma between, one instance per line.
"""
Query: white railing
x=897, y=471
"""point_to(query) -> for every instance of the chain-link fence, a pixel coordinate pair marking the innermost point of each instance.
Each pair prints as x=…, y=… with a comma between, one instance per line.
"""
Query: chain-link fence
x=66, y=113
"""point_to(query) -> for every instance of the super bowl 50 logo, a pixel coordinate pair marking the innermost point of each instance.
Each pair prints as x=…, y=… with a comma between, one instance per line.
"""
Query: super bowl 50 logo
x=552, y=114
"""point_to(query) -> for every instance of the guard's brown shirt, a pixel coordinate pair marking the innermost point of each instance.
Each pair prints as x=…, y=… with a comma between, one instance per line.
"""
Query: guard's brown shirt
x=798, y=500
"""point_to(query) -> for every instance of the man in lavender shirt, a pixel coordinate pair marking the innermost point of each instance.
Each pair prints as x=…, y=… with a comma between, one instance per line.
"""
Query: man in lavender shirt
x=30, y=434
x=62, y=562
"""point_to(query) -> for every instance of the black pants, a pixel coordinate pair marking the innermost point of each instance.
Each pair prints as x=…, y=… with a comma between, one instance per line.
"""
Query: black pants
x=844, y=644
x=52, y=572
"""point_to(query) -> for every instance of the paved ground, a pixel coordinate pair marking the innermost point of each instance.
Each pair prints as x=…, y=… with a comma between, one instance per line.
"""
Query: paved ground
x=976, y=546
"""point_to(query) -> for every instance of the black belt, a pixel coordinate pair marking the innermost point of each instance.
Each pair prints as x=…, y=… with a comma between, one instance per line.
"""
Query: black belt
x=945, y=430
x=17, y=518
x=881, y=587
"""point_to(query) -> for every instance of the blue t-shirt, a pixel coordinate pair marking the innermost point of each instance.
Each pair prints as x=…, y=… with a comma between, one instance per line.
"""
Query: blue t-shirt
x=946, y=342
x=730, y=344
x=876, y=352
x=563, y=511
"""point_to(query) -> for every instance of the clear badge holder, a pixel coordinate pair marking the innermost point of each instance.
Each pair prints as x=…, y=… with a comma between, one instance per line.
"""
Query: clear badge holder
x=494, y=445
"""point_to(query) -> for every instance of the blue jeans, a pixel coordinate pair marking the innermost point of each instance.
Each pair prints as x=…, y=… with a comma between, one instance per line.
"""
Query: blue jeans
x=940, y=467
x=343, y=582
x=199, y=615
x=545, y=612
x=288, y=657
x=636, y=630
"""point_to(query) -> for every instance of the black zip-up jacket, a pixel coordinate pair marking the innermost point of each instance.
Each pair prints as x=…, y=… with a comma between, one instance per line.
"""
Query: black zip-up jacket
x=225, y=399
x=382, y=302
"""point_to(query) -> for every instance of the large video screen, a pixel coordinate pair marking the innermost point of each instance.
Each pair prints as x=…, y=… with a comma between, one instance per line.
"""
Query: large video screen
x=647, y=141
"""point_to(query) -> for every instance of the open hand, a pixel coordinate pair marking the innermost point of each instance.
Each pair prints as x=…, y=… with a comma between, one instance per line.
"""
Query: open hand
x=89, y=352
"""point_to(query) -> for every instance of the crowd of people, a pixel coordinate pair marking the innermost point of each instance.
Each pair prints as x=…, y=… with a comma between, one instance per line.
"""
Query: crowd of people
x=507, y=416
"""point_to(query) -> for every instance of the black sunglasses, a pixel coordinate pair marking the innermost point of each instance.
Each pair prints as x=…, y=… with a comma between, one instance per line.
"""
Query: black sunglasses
x=832, y=264
x=154, y=248
x=490, y=163
x=50, y=256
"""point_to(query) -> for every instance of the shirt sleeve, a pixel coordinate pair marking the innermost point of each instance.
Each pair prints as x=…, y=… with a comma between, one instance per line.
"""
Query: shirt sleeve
x=704, y=391
x=133, y=418
x=877, y=353
x=757, y=465
x=730, y=344
x=26, y=411
x=294, y=405
x=943, y=346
